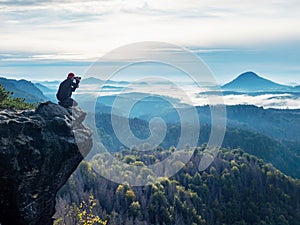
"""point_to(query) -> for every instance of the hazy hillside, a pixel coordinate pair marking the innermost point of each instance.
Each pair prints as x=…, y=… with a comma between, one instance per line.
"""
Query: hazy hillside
x=43, y=88
x=23, y=89
x=283, y=156
x=275, y=123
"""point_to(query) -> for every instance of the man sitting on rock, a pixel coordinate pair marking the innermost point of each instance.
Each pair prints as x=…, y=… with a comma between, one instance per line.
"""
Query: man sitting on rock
x=65, y=90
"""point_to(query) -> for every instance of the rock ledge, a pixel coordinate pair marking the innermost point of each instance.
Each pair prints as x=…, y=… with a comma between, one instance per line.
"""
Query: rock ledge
x=38, y=153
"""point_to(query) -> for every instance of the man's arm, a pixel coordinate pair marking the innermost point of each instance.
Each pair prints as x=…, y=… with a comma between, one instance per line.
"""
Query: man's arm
x=74, y=86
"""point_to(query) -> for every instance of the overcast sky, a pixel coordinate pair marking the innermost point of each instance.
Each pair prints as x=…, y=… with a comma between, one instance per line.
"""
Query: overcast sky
x=45, y=39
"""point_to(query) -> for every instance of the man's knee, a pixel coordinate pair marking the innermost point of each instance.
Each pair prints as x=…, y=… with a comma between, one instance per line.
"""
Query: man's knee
x=68, y=103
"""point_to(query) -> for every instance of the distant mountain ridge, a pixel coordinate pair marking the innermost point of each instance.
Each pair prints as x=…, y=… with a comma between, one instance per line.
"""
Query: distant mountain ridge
x=251, y=82
x=248, y=83
x=23, y=89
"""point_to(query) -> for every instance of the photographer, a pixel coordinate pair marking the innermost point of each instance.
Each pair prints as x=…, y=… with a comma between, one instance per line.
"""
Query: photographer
x=65, y=90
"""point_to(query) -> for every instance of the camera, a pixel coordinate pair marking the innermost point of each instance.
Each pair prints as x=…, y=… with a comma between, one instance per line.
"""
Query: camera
x=77, y=79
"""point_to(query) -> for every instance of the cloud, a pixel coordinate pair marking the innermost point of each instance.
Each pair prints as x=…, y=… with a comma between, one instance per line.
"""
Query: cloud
x=280, y=101
x=90, y=26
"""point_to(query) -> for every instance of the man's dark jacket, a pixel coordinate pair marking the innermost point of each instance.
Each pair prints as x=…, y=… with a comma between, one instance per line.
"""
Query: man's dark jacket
x=65, y=89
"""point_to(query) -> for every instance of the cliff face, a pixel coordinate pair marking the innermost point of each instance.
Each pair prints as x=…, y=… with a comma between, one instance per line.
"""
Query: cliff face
x=38, y=153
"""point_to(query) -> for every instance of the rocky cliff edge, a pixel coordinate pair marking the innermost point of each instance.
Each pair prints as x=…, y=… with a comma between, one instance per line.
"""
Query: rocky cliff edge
x=39, y=150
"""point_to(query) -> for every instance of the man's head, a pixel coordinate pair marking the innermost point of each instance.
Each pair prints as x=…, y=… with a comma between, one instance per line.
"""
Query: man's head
x=71, y=76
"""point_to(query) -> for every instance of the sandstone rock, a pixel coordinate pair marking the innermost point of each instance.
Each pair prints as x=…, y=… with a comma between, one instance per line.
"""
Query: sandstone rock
x=39, y=150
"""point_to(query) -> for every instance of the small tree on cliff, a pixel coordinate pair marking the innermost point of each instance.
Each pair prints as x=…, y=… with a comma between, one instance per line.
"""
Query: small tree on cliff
x=84, y=214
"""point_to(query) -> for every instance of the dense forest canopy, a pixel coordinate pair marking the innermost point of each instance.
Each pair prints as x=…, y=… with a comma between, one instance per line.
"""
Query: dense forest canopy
x=238, y=188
